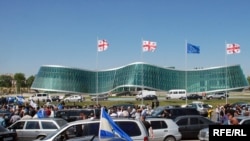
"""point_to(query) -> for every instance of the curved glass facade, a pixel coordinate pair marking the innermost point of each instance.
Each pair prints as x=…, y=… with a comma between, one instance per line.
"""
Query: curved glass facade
x=136, y=76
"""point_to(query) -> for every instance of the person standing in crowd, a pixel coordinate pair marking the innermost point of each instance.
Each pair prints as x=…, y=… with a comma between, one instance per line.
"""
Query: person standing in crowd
x=147, y=126
x=217, y=111
x=15, y=117
x=231, y=118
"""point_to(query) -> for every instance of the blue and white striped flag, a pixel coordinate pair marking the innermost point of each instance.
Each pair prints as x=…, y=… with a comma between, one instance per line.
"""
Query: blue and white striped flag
x=20, y=100
x=108, y=128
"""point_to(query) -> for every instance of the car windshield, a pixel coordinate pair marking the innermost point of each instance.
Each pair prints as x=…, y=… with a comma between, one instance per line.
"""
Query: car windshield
x=157, y=111
x=2, y=129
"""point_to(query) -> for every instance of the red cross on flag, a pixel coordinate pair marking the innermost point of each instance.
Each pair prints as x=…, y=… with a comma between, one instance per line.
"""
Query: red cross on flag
x=233, y=48
x=148, y=46
x=102, y=45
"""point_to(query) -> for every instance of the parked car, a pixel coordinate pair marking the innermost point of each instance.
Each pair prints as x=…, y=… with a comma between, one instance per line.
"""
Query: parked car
x=243, y=120
x=164, y=129
x=199, y=107
x=99, y=97
x=204, y=134
x=148, y=97
x=174, y=111
x=30, y=129
x=7, y=135
x=217, y=95
x=190, y=125
x=44, y=97
x=74, y=114
x=134, y=128
x=56, y=98
x=192, y=97
x=74, y=98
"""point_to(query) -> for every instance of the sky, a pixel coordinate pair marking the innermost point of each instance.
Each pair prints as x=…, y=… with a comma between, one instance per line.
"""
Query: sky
x=34, y=33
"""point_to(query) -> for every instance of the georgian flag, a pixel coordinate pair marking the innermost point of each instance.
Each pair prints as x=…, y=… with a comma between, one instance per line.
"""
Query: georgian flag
x=102, y=45
x=233, y=48
x=148, y=46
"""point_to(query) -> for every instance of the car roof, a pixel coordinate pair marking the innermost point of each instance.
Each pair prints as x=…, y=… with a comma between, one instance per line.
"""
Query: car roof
x=157, y=119
x=41, y=119
x=190, y=116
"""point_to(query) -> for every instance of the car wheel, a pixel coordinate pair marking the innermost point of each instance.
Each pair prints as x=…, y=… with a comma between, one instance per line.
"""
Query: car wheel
x=170, y=138
x=40, y=137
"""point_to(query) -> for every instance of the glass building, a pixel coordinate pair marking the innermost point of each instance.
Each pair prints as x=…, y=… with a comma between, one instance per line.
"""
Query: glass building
x=137, y=76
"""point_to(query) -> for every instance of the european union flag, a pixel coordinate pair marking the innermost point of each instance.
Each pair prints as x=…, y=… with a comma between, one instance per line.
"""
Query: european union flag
x=108, y=128
x=193, y=48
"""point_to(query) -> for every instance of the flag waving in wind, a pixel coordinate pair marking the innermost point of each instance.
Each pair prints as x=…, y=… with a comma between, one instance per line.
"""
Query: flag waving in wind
x=233, y=48
x=148, y=46
x=102, y=45
x=108, y=128
x=193, y=48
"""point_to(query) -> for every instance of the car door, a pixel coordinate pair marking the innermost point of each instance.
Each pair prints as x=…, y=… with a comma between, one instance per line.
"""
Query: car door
x=18, y=128
x=194, y=127
x=160, y=129
x=183, y=124
x=31, y=130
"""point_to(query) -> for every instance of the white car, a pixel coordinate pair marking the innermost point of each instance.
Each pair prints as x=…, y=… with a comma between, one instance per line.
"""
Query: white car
x=31, y=129
x=82, y=128
x=204, y=134
x=164, y=129
x=74, y=98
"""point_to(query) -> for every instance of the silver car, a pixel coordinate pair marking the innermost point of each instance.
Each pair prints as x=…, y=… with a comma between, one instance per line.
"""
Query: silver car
x=164, y=129
x=74, y=98
x=82, y=128
x=204, y=134
x=30, y=129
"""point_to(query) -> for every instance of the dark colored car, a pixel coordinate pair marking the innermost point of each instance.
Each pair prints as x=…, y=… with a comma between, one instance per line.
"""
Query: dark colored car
x=150, y=97
x=193, y=97
x=174, y=111
x=190, y=125
x=55, y=98
x=7, y=135
x=74, y=114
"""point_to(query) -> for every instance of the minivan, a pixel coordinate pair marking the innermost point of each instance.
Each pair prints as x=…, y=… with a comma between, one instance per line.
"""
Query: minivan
x=174, y=111
x=44, y=97
x=176, y=94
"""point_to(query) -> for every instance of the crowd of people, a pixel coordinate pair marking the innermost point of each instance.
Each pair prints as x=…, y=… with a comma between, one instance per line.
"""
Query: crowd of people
x=227, y=114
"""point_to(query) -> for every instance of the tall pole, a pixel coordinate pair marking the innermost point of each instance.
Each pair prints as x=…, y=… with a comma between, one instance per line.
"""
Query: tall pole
x=142, y=73
x=97, y=95
x=186, y=69
x=226, y=69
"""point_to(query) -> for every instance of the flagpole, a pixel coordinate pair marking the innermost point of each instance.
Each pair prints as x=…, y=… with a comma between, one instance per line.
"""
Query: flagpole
x=142, y=79
x=186, y=68
x=97, y=95
x=226, y=69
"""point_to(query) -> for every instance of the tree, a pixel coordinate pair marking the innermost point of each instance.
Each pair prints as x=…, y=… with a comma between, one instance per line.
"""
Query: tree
x=248, y=79
x=5, y=81
x=20, y=81
x=29, y=81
